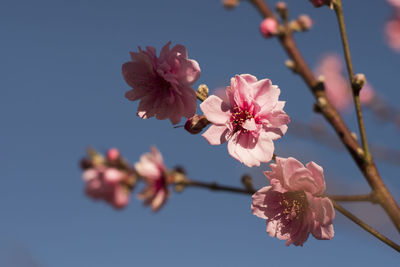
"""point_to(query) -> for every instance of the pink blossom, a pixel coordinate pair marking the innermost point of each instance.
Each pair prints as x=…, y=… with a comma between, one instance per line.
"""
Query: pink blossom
x=106, y=183
x=268, y=27
x=337, y=86
x=151, y=168
x=394, y=3
x=163, y=84
x=293, y=205
x=249, y=117
x=392, y=32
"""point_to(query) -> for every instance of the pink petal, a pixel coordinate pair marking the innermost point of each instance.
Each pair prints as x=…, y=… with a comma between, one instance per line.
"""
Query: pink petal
x=266, y=95
x=258, y=205
x=158, y=200
x=324, y=215
x=121, y=197
x=289, y=166
x=216, y=135
x=318, y=175
x=264, y=148
x=215, y=110
x=147, y=168
x=112, y=175
x=250, y=125
x=302, y=180
x=90, y=174
x=246, y=142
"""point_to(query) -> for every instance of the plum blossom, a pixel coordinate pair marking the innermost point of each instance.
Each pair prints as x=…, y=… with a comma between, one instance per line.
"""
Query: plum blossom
x=106, y=183
x=392, y=27
x=337, y=87
x=293, y=205
x=108, y=178
x=163, y=84
x=151, y=168
x=249, y=117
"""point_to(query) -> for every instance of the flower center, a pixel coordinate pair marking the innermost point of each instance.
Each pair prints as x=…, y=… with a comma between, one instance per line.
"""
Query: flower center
x=294, y=205
x=239, y=117
x=161, y=82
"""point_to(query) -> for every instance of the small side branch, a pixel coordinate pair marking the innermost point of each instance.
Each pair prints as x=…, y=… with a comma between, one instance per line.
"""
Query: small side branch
x=365, y=226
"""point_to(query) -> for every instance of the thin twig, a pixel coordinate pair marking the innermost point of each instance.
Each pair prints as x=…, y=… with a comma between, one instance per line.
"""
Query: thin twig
x=353, y=198
x=318, y=132
x=366, y=197
x=365, y=226
x=356, y=91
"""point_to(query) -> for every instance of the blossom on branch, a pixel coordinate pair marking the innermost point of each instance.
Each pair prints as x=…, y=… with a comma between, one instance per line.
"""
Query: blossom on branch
x=337, y=87
x=151, y=168
x=163, y=84
x=293, y=205
x=106, y=179
x=249, y=117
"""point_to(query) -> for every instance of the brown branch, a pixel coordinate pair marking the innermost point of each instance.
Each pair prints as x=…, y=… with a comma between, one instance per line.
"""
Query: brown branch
x=217, y=187
x=321, y=134
x=355, y=89
x=368, y=168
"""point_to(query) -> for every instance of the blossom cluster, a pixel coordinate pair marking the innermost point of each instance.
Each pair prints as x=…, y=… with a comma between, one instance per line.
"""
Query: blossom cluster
x=248, y=116
x=112, y=179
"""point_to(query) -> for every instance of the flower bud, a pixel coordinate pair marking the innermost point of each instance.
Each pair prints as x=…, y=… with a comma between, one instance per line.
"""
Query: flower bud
x=229, y=4
x=358, y=82
x=269, y=27
x=319, y=3
x=86, y=164
x=281, y=7
x=196, y=124
x=305, y=22
x=112, y=154
x=202, y=91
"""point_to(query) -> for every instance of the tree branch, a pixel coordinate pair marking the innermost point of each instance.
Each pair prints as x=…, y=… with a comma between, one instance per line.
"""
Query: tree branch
x=332, y=116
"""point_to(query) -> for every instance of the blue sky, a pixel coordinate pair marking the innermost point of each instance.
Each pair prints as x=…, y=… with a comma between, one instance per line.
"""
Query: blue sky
x=61, y=90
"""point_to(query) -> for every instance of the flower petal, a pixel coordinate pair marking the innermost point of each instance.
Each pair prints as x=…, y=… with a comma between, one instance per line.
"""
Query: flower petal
x=216, y=135
x=215, y=110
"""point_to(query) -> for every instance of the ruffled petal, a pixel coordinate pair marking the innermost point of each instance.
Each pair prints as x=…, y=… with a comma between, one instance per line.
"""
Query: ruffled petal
x=318, y=175
x=215, y=110
x=216, y=135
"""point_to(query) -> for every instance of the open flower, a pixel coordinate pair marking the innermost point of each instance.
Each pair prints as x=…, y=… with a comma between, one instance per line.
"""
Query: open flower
x=151, y=168
x=337, y=87
x=106, y=183
x=250, y=117
x=293, y=205
x=163, y=84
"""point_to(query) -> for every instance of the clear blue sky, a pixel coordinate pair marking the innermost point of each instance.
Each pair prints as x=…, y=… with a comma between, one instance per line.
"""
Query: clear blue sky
x=61, y=90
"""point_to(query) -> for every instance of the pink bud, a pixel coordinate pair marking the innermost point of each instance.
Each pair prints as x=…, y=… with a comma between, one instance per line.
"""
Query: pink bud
x=268, y=27
x=112, y=154
x=230, y=3
x=319, y=3
x=305, y=22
